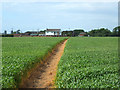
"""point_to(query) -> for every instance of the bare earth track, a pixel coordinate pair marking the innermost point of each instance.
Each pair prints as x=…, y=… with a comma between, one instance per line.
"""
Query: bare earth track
x=44, y=76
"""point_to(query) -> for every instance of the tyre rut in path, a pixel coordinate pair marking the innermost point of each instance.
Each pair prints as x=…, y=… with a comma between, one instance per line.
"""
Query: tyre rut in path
x=44, y=76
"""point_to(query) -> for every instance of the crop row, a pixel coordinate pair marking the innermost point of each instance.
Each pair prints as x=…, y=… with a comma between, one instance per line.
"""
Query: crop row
x=89, y=63
x=19, y=55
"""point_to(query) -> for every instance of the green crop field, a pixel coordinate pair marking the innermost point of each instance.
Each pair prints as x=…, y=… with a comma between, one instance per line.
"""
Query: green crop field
x=21, y=54
x=89, y=62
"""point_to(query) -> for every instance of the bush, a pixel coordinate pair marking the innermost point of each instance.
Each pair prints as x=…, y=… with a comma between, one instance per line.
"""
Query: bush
x=8, y=35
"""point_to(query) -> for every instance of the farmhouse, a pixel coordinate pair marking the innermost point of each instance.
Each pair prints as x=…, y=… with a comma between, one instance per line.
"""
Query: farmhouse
x=52, y=32
x=82, y=34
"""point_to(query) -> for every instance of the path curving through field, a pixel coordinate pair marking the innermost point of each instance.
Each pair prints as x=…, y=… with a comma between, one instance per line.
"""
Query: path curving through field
x=44, y=76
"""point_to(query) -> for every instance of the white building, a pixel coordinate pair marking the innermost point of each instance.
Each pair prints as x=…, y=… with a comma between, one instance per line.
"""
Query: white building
x=53, y=32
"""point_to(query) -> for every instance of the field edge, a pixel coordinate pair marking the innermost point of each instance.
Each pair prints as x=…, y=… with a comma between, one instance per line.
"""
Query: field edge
x=45, y=58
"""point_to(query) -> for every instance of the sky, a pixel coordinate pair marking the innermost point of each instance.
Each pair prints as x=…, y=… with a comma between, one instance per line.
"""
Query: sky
x=32, y=16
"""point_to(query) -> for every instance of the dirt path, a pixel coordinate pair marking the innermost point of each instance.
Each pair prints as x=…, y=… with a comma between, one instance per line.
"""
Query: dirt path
x=43, y=76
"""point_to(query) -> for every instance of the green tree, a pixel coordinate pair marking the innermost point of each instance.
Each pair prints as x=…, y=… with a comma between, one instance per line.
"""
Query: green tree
x=67, y=33
x=18, y=31
x=77, y=31
x=116, y=31
x=102, y=32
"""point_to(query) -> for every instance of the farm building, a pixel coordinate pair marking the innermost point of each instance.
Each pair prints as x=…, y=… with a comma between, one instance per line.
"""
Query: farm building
x=31, y=32
x=42, y=33
x=16, y=35
x=82, y=34
x=53, y=32
x=36, y=33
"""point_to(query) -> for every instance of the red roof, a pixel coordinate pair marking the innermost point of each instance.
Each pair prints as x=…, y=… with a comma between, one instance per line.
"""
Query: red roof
x=83, y=33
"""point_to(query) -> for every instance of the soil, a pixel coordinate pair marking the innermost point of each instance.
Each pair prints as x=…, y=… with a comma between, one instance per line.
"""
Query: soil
x=44, y=75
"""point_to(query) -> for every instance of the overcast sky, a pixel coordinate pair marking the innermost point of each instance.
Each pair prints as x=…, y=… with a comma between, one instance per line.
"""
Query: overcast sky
x=64, y=15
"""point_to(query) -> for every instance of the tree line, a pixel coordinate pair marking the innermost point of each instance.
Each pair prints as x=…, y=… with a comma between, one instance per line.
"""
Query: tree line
x=102, y=32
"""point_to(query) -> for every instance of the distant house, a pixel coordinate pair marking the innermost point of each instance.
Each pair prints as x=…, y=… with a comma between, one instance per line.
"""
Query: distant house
x=53, y=32
x=42, y=33
x=82, y=34
x=16, y=35
x=35, y=33
x=31, y=32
